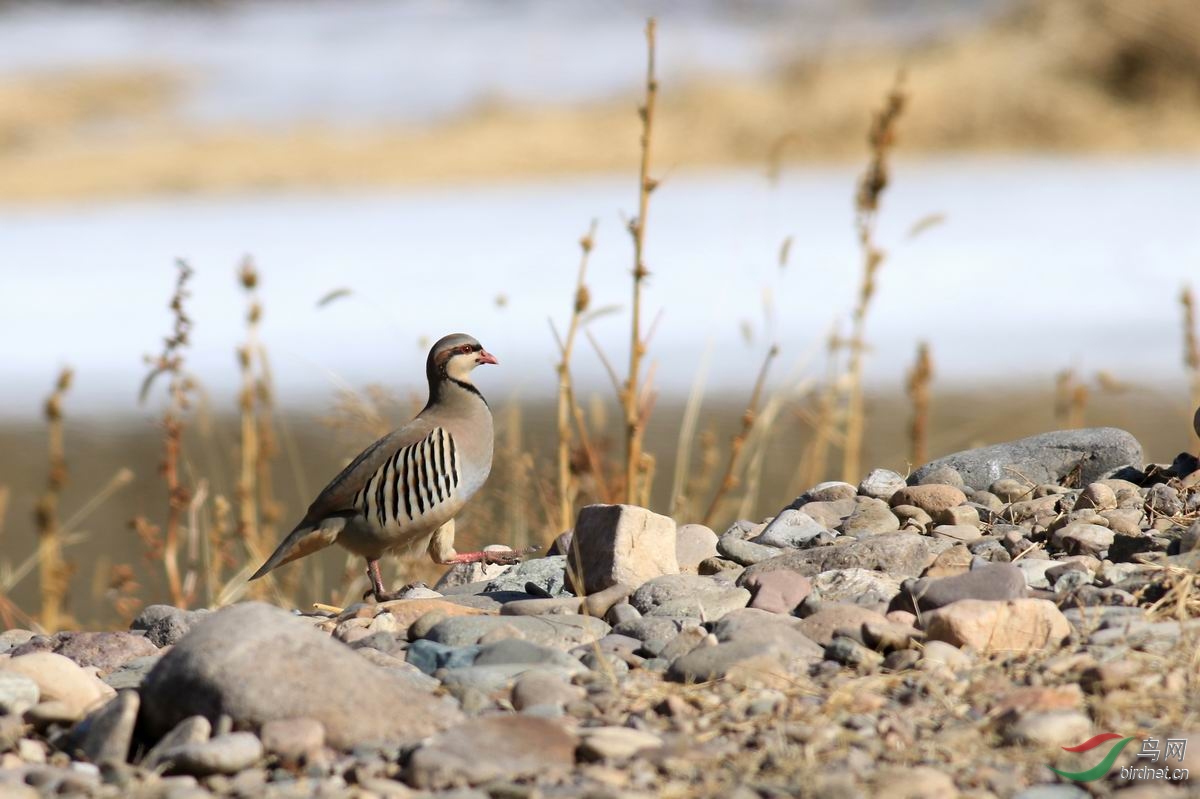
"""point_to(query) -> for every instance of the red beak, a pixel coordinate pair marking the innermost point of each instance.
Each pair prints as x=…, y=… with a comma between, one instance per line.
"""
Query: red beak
x=486, y=357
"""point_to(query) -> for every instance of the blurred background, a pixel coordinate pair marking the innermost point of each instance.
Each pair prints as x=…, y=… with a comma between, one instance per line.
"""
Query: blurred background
x=400, y=170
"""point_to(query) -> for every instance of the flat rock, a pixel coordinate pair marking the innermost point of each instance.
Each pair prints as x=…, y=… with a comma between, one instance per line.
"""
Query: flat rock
x=493, y=748
x=771, y=653
x=257, y=663
x=104, y=736
x=560, y=631
x=293, y=740
x=996, y=581
x=742, y=552
x=898, y=554
x=778, y=591
x=1045, y=458
x=615, y=743
x=1017, y=625
x=104, y=651
x=822, y=625
x=881, y=484
x=406, y=611
x=688, y=595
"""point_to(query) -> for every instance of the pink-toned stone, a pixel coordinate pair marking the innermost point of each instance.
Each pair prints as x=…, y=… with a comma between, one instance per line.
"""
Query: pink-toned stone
x=778, y=591
x=1016, y=625
x=930, y=498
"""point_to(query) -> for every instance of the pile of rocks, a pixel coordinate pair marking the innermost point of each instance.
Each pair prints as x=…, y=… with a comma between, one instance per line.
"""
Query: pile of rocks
x=935, y=636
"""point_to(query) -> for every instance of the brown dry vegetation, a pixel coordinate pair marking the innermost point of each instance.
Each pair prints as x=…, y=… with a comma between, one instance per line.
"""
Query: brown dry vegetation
x=1077, y=75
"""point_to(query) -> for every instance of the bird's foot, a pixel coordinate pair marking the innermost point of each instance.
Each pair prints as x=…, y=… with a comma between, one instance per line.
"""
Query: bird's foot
x=388, y=596
x=503, y=557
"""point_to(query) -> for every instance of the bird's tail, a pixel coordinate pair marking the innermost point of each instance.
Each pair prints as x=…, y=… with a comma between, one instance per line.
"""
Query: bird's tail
x=304, y=540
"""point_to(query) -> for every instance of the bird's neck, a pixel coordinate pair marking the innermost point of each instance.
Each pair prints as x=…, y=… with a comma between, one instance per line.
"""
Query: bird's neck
x=446, y=390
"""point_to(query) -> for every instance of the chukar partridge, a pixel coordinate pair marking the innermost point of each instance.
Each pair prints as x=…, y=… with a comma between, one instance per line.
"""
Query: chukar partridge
x=402, y=492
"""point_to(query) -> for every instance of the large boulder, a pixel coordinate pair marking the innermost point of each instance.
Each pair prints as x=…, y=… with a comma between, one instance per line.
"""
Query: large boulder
x=1045, y=458
x=257, y=663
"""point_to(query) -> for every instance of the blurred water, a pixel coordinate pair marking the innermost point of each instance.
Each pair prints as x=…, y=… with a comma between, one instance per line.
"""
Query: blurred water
x=1040, y=264
x=352, y=63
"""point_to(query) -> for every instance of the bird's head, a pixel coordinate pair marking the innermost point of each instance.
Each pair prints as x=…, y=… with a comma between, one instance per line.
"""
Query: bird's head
x=455, y=356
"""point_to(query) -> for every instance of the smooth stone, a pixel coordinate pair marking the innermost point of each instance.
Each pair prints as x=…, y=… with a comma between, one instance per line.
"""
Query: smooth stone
x=18, y=693
x=488, y=680
x=898, y=554
x=461, y=575
x=957, y=533
x=955, y=560
x=549, y=574
x=615, y=743
x=225, y=754
x=1097, y=496
x=912, y=518
x=1034, y=571
x=650, y=628
x=1044, y=458
x=913, y=782
x=293, y=740
x=492, y=748
x=406, y=611
x=849, y=652
x=829, y=491
x=688, y=595
x=996, y=581
x=256, y=663
x=743, y=552
x=826, y=622
x=685, y=641
x=828, y=513
x=60, y=679
x=931, y=498
x=515, y=650
x=429, y=656
x=1016, y=625
x=959, y=515
x=542, y=688
x=1084, y=539
x=131, y=673
x=870, y=517
x=561, y=631
x=192, y=730
x=881, y=484
x=773, y=653
x=791, y=529
x=778, y=591
x=693, y=544
x=945, y=654
x=621, y=544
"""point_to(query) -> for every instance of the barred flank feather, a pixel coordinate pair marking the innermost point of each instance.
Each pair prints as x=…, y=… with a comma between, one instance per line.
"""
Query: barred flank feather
x=416, y=481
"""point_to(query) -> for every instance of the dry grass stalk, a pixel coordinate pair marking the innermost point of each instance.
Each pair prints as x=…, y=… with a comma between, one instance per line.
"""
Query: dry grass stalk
x=881, y=139
x=54, y=572
x=679, y=502
x=918, y=392
x=568, y=405
x=179, y=388
x=258, y=511
x=631, y=399
x=1191, y=349
x=729, y=480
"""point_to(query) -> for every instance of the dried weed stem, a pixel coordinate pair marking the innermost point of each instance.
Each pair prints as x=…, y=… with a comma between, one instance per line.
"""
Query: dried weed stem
x=919, y=379
x=54, y=572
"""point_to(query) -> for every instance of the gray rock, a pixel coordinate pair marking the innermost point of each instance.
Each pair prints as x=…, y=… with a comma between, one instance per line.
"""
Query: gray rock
x=822, y=626
x=429, y=656
x=487, y=680
x=104, y=736
x=881, y=484
x=693, y=544
x=18, y=693
x=688, y=595
x=898, y=554
x=542, y=688
x=715, y=662
x=743, y=552
x=621, y=544
x=995, y=581
x=257, y=663
x=870, y=517
x=654, y=628
x=293, y=740
x=513, y=651
x=131, y=673
x=493, y=748
x=830, y=491
x=225, y=754
x=1045, y=458
x=548, y=574
x=791, y=529
x=560, y=631
x=165, y=624
x=941, y=475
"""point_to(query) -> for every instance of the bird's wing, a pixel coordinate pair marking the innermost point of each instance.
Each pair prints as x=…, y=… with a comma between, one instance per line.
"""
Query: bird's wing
x=326, y=517
x=337, y=498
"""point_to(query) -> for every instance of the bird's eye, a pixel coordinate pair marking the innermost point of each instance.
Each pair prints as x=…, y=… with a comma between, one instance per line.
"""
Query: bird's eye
x=465, y=348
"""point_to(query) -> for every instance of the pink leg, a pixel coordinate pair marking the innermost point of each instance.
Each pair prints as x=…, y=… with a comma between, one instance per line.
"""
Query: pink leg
x=502, y=557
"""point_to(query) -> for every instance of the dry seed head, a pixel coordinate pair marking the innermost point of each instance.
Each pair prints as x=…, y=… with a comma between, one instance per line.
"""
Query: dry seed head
x=247, y=275
x=582, y=299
